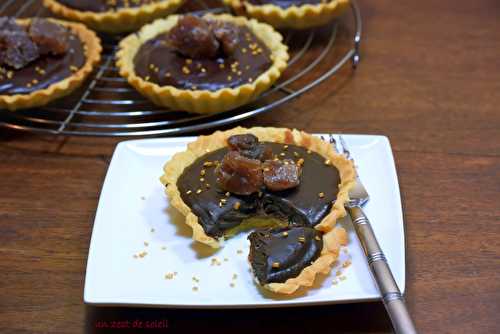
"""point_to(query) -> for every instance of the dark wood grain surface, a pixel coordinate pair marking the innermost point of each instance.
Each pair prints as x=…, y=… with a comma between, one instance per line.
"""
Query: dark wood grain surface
x=429, y=80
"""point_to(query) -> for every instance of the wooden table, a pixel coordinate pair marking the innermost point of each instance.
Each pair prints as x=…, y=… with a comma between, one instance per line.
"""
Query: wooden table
x=429, y=80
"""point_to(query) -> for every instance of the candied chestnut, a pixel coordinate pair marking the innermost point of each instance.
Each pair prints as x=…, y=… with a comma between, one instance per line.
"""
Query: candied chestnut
x=192, y=37
x=281, y=174
x=227, y=35
x=50, y=37
x=248, y=145
x=16, y=48
x=239, y=175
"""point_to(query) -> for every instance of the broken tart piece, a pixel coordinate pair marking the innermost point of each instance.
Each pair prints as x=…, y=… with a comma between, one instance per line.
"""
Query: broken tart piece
x=288, y=185
x=296, y=14
x=203, y=64
x=113, y=16
x=43, y=59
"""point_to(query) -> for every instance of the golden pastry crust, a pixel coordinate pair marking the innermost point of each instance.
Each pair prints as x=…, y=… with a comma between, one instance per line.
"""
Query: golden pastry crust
x=297, y=17
x=116, y=21
x=202, y=101
x=332, y=241
x=174, y=168
x=66, y=86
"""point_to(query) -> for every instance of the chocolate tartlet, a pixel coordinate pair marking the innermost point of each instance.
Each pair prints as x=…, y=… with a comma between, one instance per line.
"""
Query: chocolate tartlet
x=296, y=14
x=113, y=16
x=289, y=185
x=202, y=65
x=43, y=59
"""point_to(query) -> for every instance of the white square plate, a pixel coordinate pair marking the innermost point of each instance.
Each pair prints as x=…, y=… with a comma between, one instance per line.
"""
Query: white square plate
x=134, y=216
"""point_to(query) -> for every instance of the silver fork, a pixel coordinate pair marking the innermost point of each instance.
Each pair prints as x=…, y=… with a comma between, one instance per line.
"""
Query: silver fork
x=391, y=296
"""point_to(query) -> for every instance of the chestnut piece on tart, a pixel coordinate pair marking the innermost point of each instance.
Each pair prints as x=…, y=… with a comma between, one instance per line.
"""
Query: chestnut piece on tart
x=295, y=14
x=43, y=59
x=202, y=64
x=289, y=185
x=113, y=16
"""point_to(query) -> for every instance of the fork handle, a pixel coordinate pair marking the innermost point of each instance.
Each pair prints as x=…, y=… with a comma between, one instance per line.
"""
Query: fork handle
x=391, y=296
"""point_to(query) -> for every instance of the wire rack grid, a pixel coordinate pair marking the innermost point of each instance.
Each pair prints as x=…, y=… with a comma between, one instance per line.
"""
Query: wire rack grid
x=107, y=106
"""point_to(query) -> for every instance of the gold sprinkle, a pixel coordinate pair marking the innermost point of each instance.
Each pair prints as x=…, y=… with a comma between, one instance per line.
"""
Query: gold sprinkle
x=282, y=154
x=169, y=276
x=221, y=66
x=203, y=172
x=228, y=194
x=185, y=70
x=302, y=239
x=244, y=50
x=250, y=80
x=309, y=151
x=276, y=264
x=143, y=254
x=285, y=147
x=321, y=195
x=202, y=179
x=317, y=238
x=28, y=85
x=229, y=78
x=189, y=61
x=73, y=68
x=296, y=154
x=300, y=162
x=285, y=234
x=208, y=164
x=260, y=194
x=188, y=192
x=203, y=70
x=151, y=66
x=207, y=185
x=223, y=200
x=327, y=162
x=147, y=78
x=236, y=205
x=267, y=169
x=346, y=264
x=221, y=205
x=338, y=273
x=168, y=75
x=199, y=191
x=34, y=81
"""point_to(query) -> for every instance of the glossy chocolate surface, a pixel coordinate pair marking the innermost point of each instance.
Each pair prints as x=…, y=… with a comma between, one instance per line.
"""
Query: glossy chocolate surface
x=104, y=5
x=282, y=253
x=300, y=206
x=43, y=72
x=285, y=3
x=157, y=62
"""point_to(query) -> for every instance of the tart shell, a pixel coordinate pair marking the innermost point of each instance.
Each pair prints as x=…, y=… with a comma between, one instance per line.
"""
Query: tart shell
x=296, y=17
x=116, y=21
x=202, y=101
x=41, y=97
x=204, y=144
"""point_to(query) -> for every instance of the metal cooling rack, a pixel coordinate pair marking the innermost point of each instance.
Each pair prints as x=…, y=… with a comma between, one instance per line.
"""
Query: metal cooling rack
x=108, y=106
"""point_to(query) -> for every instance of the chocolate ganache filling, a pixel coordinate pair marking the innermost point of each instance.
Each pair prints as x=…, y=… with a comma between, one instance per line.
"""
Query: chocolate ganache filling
x=201, y=54
x=281, y=253
x=99, y=6
x=287, y=185
x=36, y=57
x=219, y=210
x=285, y=3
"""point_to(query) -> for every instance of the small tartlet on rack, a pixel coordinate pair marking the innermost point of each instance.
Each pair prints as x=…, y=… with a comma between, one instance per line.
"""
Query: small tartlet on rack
x=297, y=15
x=91, y=49
x=203, y=99
x=293, y=212
x=116, y=20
